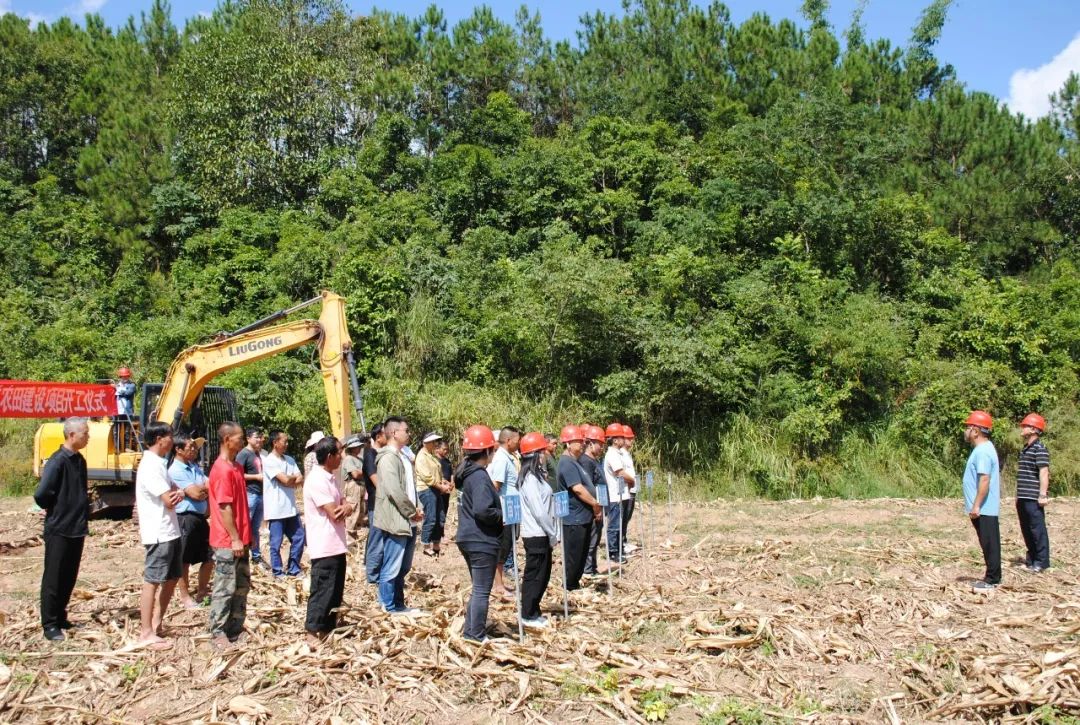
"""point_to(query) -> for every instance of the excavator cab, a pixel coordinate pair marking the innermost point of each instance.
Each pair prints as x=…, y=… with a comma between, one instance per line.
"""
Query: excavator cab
x=214, y=406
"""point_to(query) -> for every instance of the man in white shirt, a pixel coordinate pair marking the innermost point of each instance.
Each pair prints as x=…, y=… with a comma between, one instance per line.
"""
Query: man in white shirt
x=503, y=471
x=282, y=478
x=156, y=498
x=616, y=477
x=631, y=489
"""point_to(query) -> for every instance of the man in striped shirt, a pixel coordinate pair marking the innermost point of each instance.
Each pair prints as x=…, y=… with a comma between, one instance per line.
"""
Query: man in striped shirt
x=1032, y=488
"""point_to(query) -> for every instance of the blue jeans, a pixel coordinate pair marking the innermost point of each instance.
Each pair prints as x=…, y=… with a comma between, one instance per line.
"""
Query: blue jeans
x=613, y=515
x=373, y=552
x=291, y=528
x=482, y=572
x=435, y=505
x=396, y=563
x=255, y=511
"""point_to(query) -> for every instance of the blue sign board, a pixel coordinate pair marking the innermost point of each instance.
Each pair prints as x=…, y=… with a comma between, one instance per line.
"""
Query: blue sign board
x=602, y=495
x=562, y=504
x=512, y=510
x=648, y=479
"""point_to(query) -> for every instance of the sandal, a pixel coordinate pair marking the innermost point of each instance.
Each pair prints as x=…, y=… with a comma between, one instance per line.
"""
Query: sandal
x=157, y=644
x=429, y=552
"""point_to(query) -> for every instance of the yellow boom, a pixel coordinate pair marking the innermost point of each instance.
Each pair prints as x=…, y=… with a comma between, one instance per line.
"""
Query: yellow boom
x=195, y=367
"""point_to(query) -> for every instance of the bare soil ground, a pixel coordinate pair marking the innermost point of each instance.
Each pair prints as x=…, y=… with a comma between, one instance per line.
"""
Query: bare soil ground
x=744, y=611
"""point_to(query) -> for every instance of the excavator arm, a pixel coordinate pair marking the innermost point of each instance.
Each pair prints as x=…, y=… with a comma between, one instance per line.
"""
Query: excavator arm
x=195, y=367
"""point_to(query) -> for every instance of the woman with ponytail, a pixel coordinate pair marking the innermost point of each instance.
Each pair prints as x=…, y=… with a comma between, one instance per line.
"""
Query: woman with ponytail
x=538, y=530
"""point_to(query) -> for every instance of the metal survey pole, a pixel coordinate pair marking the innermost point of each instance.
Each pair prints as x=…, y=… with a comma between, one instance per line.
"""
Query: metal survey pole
x=622, y=556
x=605, y=521
x=512, y=516
x=650, y=491
x=670, y=524
x=562, y=510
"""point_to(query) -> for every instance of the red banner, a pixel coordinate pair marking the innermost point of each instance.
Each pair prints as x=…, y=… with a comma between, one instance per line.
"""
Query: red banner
x=25, y=399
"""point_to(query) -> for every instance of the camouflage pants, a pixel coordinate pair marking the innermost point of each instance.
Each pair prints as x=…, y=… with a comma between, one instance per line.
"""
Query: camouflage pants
x=228, y=599
x=354, y=494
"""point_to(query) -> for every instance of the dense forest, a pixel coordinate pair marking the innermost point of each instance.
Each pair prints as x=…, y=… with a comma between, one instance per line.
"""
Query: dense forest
x=791, y=255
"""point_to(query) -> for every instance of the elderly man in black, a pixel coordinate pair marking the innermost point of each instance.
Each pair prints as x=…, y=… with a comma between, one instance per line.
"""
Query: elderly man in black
x=63, y=494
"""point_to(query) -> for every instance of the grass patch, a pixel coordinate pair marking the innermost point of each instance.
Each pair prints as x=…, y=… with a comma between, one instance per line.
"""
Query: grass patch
x=656, y=704
x=132, y=671
x=732, y=710
x=651, y=631
x=1050, y=715
x=571, y=687
x=16, y=457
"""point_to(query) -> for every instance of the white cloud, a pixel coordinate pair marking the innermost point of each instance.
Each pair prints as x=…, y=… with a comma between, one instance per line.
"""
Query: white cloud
x=90, y=6
x=1029, y=90
x=34, y=18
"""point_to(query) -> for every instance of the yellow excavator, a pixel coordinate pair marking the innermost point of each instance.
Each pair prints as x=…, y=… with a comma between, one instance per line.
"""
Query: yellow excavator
x=187, y=402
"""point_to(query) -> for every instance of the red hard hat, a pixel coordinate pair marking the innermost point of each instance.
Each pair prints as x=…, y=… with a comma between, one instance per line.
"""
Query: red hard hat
x=571, y=433
x=627, y=431
x=980, y=418
x=614, y=430
x=1035, y=421
x=532, y=442
x=478, y=438
x=594, y=433
x=124, y=372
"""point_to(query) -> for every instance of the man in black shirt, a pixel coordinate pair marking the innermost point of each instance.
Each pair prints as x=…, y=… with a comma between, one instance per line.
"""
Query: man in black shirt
x=250, y=459
x=1032, y=492
x=63, y=493
x=584, y=509
x=589, y=460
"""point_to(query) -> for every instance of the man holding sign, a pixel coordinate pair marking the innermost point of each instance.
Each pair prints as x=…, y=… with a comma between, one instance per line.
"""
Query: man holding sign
x=617, y=478
x=584, y=508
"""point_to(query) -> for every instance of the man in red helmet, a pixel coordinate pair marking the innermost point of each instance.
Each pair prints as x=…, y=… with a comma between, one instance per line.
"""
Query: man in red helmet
x=584, y=508
x=125, y=393
x=982, y=494
x=590, y=461
x=1032, y=490
x=629, y=498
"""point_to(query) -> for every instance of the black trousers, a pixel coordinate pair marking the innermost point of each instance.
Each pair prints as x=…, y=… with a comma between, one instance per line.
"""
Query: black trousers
x=627, y=513
x=990, y=542
x=595, y=533
x=481, y=563
x=1033, y=527
x=327, y=591
x=63, y=555
x=576, y=547
x=537, y=575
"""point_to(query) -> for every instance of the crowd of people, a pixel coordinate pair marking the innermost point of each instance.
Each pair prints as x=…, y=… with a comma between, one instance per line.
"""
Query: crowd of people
x=211, y=521
x=510, y=486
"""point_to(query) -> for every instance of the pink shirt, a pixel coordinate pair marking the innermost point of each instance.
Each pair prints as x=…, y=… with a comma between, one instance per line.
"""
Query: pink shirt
x=325, y=537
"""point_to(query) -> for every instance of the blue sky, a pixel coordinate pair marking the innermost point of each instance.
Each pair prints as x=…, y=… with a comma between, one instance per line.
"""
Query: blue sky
x=1018, y=51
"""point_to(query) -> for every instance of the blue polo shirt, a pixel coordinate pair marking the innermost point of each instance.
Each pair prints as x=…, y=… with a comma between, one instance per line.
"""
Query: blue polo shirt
x=184, y=475
x=502, y=469
x=983, y=460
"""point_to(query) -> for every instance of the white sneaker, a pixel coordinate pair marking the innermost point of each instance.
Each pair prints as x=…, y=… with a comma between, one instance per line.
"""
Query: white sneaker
x=540, y=622
x=630, y=548
x=410, y=612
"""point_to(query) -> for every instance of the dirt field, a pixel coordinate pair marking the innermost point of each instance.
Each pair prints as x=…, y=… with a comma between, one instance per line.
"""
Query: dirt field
x=818, y=611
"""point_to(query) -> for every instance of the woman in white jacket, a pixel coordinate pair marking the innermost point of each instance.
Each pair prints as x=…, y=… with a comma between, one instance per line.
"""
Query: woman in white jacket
x=538, y=529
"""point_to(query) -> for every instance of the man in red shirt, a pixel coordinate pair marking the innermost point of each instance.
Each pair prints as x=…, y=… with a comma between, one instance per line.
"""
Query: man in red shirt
x=230, y=537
